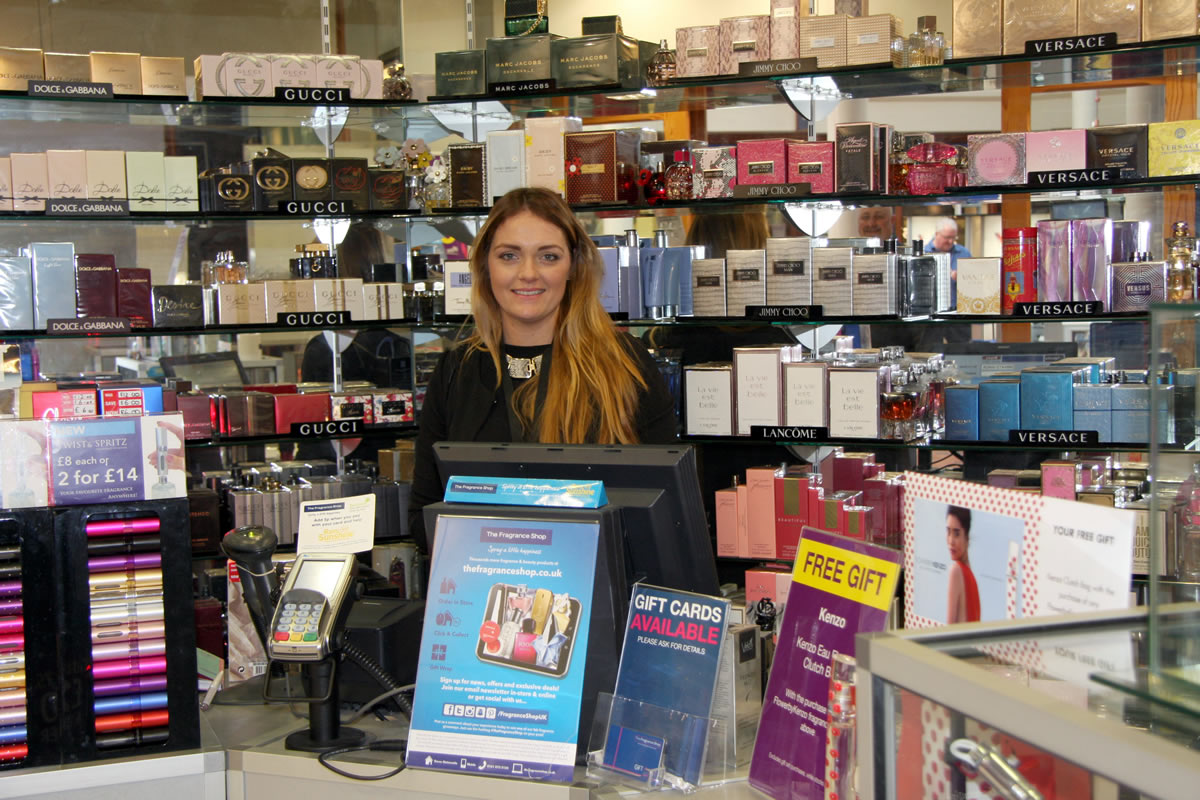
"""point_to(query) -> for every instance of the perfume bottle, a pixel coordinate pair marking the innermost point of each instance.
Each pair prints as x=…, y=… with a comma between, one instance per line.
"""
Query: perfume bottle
x=918, y=387
x=525, y=17
x=1181, y=265
x=1187, y=527
x=898, y=408
x=680, y=177
x=396, y=85
x=162, y=488
x=840, y=742
x=225, y=268
x=918, y=284
x=899, y=165
x=660, y=69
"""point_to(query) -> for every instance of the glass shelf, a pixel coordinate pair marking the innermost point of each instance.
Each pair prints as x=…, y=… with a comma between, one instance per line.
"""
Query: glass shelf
x=274, y=438
x=936, y=444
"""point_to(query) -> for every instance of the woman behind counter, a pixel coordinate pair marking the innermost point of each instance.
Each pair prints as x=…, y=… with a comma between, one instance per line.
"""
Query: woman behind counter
x=545, y=363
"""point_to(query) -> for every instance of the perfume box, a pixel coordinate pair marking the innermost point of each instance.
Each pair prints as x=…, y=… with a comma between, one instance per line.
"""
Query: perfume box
x=181, y=184
x=1093, y=409
x=369, y=84
x=610, y=281
x=130, y=399
x=248, y=413
x=811, y=163
x=467, y=164
x=1173, y=148
x=293, y=408
x=133, y=296
x=857, y=156
x=785, y=27
x=272, y=181
x=1036, y=19
x=241, y=304
x=601, y=167
x=16, y=293
x=352, y=405
x=979, y=285
x=6, y=192
x=978, y=28
x=999, y=408
x=603, y=60
x=708, y=287
x=519, y=58
x=293, y=70
x=95, y=285
x=177, y=306
x=73, y=67
x=760, y=493
x=962, y=413
x=708, y=405
x=715, y=172
x=339, y=294
x=311, y=179
x=874, y=292
x=1054, y=260
x=122, y=70
x=105, y=174
x=1123, y=147
x=349, y=179
x=545, y=151
x=243, y=75
x=66, y=173
x=391, y=406
x=53, y=281
x=386, y=189
x=205, y=69
x=762, y=160
x=1130, y=236
x=1059, y=479
x=758, y=396
x=338, y=72
x=1091, y=260
x=833, y=280
x=789, y=271
x=163, y=76
x=744, y=39
x=374, y=297
x=19, y=66
x=285, y=297
x=824, y=38
x=995, y=159
x=854, y=401
x=458, y=288
x=697, y=51
x=1137, y=284
x=1167, y=19
x=505, y=162
x=1046, y=399
x=806, y=394
x=460, y=73
x=746, y=280
x=30, y=181
x=1047, y=151
x=65, y=404
x=1130, y=413
x=1122, y=17
x=144, y=176
x=726, y=512
x=869, y=40
x=791, y=511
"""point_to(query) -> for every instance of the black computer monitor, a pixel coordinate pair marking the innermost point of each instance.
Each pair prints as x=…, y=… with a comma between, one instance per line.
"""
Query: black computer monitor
x=656, y=488
x=206, y=370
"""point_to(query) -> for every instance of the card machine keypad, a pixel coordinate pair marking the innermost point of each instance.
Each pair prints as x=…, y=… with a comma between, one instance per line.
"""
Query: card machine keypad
x=299, y=616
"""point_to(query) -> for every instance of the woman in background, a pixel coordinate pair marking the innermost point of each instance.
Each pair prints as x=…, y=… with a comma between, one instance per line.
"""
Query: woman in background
x=962, y=604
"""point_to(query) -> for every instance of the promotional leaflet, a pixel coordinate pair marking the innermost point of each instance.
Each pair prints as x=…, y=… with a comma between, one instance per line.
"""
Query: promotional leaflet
x=670, y=663
x=840, y=587
x=500, y=675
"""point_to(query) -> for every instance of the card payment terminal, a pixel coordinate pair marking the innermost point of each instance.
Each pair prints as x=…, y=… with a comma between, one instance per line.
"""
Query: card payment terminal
x=311, y=607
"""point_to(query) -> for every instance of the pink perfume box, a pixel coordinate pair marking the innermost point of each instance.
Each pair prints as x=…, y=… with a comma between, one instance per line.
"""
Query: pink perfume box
x=743, y=522
x=811, y=163
x=715, y=171
x=762, y=161
x=764, y=582
x=785, y=27
x=1048, y=151
x=995, y=159
x=727, y=522
x=760, y=493
x=697, y=51
x=744, y=39
x=1059, y=479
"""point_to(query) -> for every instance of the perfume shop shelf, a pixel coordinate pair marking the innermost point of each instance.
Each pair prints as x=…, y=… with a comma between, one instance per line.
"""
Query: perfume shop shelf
x=940, y=444
x=226, y=329
x=276, y=438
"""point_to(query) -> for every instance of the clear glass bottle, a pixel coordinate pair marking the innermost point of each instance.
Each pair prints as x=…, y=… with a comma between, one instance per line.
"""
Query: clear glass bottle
x=1181, y=266
x=1187, y=528
x=661, y=67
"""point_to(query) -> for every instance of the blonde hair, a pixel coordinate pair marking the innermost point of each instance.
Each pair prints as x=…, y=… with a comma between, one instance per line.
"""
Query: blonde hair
x=594, y=379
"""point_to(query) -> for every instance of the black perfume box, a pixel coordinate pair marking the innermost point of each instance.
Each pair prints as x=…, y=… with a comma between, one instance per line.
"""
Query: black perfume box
x=387, y=189
x=311, y=181
x=228, y=190
x=604, y=60
x=177, y=306
x=856, y=153
x=468, y=175
x=351, y=182
x=379, y=273
x=593, y=26
x=272, y=182
x=1122, y=147
x=519, y=58
x=460, y=73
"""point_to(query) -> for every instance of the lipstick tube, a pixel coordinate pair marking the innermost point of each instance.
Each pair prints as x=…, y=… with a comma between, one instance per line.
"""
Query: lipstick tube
x=12, y=677
x=125, y=544
x=13, y=660
x=9, y=553
x=12, y=697
x=12, y=570
x=12, y=641
x=12, y=624
x=124, y=562
x=15, y=734
x=120, y=632
x=145, y=736
x=14, y=752
x=144, y=683
x=132, y=647
x=10, y=588
x=120, y=612
x=143, y=594
x=132, y=702
x=121, y=527
x=12, y=716
x=8, y=607
x=119, y=668
x=136, y=719
x=126, y=579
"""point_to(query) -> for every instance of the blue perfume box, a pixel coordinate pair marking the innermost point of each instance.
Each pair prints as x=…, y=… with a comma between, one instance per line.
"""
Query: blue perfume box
x=1131, y=413
x=962, y=413
x=999, y=409
x=1046, y=402
x=1093, y=409
x=609, y=287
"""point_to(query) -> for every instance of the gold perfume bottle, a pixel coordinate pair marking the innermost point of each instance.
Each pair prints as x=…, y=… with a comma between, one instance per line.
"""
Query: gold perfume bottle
x=1181, y=265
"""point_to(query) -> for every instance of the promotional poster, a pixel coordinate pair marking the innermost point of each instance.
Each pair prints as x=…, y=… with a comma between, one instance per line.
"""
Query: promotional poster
x=500, y=675
x=840, y=587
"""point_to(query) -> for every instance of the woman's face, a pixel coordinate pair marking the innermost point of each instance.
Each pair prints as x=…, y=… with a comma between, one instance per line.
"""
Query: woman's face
x=528, y=264
x=956, y=538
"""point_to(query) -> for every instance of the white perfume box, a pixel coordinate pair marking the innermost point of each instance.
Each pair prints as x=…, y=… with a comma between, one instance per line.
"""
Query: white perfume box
x=505, y=162
x=338, y=72
x=395, y=301
x=105, y=174
x=854, y=402
x=806, y=394
x=30, y=182
x=745, y=281
x=979, y=285
x=53, y=281
x=369, y=85
x=758, y=397
x=6, y=192
x=241, y=304
x=374, y=296
x=66, y=173
x=339, y=294
x=545, y=151
x=833, y=280
x=293, y=70
x=789, y=271
x=242, y=75
x=708, y=406
x=708, y=287
x=287, y=297
x=458, y=288
x=144, y=176
x=874, y=292
x=205, y=69
x=179, y=180
x=164, y=76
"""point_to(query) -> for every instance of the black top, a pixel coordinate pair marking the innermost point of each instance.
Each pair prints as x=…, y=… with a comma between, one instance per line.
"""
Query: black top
x=461, y=406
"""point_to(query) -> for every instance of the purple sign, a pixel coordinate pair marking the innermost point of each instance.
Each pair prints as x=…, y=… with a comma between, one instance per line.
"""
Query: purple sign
x=97, y=460
x=840, y=587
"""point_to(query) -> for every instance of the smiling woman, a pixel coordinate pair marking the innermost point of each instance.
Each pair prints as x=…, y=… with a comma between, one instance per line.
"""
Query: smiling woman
x=545, y=364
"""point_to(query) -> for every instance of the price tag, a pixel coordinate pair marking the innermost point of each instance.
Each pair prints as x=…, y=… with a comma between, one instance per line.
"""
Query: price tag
x=346, y=525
